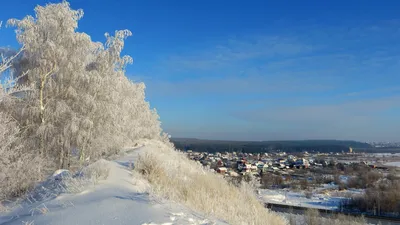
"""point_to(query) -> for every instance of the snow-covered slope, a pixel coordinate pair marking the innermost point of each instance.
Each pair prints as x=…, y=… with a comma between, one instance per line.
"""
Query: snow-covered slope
x=122, y=198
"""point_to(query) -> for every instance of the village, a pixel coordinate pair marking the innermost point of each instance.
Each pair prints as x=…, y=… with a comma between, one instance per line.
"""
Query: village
x=235, y=164
x=345, y=181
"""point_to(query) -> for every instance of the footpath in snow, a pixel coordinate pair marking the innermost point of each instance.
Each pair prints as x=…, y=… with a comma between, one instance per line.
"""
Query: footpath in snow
x=122, y=198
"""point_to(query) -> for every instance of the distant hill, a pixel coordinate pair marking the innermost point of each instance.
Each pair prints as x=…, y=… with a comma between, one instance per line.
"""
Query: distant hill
x=266, y=146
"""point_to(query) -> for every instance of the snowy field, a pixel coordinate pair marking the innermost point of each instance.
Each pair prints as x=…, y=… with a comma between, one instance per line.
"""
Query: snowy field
x=384, y=154
x=330, y=200
x=122, y=198
x=397, y=164
x=299, y=199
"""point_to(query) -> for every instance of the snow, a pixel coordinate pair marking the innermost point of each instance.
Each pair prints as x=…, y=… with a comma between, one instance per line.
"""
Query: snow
x=318, y=201
x=384, y=154
x=122, y=198
x=397, y=164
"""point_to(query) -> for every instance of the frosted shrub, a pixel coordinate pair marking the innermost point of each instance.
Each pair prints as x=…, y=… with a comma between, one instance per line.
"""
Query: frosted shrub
x=97, y=171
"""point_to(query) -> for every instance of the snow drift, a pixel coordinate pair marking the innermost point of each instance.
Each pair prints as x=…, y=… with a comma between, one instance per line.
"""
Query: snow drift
x=118, y=196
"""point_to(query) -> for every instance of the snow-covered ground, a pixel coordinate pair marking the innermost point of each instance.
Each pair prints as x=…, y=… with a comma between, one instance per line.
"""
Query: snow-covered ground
x=397, y=164
x=330, y=200
x=383, y=154
x=122, y=198
x=285, y=197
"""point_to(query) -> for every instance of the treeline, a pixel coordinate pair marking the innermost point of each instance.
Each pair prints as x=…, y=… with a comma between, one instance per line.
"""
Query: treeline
x=381, y=196
x=266, y=146
x=67, y=99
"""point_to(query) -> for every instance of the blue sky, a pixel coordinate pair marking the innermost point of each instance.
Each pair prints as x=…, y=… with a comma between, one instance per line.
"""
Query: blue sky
x=257, y=70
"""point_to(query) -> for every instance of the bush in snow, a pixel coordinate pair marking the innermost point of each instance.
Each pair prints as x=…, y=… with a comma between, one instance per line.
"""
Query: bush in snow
x=96, y=171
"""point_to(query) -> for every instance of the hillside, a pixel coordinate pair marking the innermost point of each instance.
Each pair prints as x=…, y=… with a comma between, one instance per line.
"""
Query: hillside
x=152, y=184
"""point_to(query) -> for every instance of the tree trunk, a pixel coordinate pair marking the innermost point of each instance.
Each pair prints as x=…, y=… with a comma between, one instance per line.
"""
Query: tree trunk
x=82, y=156
x=41, y=117
x=61, y=166
x=43, y=80
x=68, y=159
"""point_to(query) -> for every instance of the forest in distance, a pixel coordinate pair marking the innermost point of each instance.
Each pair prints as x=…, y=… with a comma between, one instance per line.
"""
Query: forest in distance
x=323, y=146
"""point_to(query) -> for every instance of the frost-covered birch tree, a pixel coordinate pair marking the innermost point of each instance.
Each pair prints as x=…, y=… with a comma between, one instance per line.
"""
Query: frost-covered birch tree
x=80, y=104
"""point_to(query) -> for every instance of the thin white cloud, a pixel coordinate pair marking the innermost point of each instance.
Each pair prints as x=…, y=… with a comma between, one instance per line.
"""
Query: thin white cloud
x=234, y=85
x=368, y=38
x=238, y=51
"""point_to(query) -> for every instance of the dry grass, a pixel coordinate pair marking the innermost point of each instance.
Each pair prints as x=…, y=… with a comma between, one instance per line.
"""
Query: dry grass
x=175, y=177
x=97, y=171
x=313, y=217
x=2, y=208
x=41, y=209
x=28, y=222
x=91, y=174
